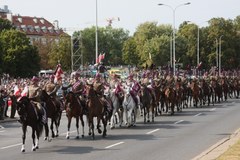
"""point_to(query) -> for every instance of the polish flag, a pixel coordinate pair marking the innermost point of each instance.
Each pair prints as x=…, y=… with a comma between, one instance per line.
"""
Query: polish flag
x=58, y=73
x=16, y=91
x=25, y=91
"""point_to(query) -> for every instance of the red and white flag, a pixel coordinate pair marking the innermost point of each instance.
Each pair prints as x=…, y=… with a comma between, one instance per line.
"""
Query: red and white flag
x=58, y=73
x=101, y=57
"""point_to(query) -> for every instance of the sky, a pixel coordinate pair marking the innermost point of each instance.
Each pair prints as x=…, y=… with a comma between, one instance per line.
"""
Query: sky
x=79, y=14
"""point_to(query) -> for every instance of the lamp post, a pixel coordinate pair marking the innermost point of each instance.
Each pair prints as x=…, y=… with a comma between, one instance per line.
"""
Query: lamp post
x=96, y=32
x=174, y=10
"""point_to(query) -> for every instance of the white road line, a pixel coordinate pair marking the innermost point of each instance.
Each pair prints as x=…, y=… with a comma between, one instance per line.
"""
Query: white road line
x=69, y=132
x=14, y=145
x=114, y=145
x=1, y=127
x=155, y=130
x=213, y=109
x=2, y=131
x=179, y=121
x=197, y=114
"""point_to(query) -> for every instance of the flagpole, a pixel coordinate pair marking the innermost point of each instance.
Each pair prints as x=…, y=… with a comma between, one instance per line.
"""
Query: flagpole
x=96, y=32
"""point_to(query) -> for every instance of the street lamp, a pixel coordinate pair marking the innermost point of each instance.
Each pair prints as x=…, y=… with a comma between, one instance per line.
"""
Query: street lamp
x=173, y=10
x=96, y=32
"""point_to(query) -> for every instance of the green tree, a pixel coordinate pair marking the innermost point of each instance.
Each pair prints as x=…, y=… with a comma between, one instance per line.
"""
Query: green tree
x=129, y=52
x=61, y=53
x=20, y=58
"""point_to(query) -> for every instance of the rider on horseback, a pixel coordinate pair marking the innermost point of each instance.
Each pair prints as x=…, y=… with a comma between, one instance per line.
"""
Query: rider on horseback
x=98, y=86
x=135, y=88
x=51, y=88
x=149, y=82
x=116, y=84
x=34, y=92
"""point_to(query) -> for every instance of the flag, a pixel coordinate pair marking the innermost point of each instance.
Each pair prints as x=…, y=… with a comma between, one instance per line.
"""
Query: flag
x=58, y=73
x=101, y=57
x=25, y=91
x=16, y=91
x=199, y=65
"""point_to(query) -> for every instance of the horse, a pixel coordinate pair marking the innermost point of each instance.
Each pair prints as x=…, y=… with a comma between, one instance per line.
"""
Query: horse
x=129, y=108
x=207, y=92
x=53, y=110
x=29, y=116
x=73, y=108
x=195, y=92
x=116, y=108
x=96, y=108
x=147, y=102
x=170, y=98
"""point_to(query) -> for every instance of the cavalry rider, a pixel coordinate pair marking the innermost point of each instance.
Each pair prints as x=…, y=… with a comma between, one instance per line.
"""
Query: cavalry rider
x=102, y=69
x=98, y=86
x=51, y=88
x=116, y=84
x=135, y=88
x=78, y=88
x=149, y=83
x=34, y=93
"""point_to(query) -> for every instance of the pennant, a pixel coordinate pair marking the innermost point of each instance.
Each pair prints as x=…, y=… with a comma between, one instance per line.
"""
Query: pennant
x=58, y=73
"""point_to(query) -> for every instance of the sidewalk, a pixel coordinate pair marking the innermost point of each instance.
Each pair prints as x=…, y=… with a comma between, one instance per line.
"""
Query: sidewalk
x=220, y=147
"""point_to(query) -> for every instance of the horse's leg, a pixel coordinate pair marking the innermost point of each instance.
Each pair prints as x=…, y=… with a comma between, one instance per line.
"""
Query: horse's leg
x=98, y=124
x=33, y=138
x=68, y=126
x=112, y=120
x=82, y=123
x=148, y=113
x=153, y=115
x=104, y=121
x=46, y=127
x=24, y=129
x=144, y=113
x=53, y=120
x=77, y=126
x=91, y=127
x=120, y=115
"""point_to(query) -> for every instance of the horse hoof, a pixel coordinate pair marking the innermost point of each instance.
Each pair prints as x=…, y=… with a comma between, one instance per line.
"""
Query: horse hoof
x=34, y=149
x=99, y=131
x=82, y=136
x=23, y=150
x=37, y=147
x=77, y=137
x=45, y=138
x=89, y=134
x=112, y=127
x=57, y=135
x=148, y=121
x=67, y=137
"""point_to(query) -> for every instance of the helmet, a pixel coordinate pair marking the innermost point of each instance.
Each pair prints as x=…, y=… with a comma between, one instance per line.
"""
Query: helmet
x=35, y=79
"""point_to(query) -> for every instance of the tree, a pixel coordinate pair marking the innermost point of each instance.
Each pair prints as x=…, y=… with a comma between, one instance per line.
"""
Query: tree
x=19, y=57
x=5, y=25
x=61, y=53
x=129, y=52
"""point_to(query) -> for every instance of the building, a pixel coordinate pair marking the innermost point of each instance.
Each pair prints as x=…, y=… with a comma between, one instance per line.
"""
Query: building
x=38, y=29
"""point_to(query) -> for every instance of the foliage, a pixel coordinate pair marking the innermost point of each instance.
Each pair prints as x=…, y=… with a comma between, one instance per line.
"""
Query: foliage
x=20, y=58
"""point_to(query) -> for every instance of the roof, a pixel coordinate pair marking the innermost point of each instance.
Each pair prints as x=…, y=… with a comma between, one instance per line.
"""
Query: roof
x=35, y=26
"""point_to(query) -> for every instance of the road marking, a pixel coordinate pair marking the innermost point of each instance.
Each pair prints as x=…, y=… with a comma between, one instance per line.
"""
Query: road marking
x=2, y=131
x=198, y=114
x=213, y=109
x=179, y=121
x=114, y=145
x=14, y=145
x=155, y=130
x=1, y=127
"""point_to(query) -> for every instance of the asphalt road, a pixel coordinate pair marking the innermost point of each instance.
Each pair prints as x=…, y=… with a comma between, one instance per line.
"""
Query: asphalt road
x=179, y=137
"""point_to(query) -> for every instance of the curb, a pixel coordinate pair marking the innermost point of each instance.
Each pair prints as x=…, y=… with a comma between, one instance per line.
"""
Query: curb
x=219, y=148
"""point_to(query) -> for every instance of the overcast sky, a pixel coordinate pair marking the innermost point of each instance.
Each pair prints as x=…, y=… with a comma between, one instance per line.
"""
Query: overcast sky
x=79, y=14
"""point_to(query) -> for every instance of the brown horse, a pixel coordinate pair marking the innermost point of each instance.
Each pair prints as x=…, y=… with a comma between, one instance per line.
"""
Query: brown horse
x=195, y=92
x=53, y=112
x=29, y=117
x=74, y=109
x=170, y=98
x=148, y=103
x=97, y=109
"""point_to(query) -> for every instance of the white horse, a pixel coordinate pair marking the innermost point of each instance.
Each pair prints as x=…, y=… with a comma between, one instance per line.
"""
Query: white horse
x=129, y=108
